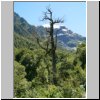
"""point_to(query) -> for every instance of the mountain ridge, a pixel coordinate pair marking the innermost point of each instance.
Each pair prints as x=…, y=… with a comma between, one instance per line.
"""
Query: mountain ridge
x=66, y=37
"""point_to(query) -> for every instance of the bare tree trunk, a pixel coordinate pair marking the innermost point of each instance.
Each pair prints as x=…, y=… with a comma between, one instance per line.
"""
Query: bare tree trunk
x=53, y=54
x=54, y=67
x=48, y=16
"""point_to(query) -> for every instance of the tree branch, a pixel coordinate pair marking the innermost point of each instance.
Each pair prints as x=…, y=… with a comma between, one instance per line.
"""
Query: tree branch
x=40, y=44
x=49, y=10
x=58, y=21
x=46, y=17
x=44, y=48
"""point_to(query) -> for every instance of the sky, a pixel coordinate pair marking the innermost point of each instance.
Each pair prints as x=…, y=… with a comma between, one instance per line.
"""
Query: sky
x=73, y=13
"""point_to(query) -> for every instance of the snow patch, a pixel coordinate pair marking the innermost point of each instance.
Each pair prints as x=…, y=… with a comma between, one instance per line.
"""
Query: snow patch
x=60, y=34
x=65, y=30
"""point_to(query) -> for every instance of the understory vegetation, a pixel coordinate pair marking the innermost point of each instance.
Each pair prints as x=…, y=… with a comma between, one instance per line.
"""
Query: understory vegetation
x=33, y=72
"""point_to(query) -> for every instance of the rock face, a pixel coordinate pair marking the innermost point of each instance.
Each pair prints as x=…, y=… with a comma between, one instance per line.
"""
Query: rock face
x=66, y=37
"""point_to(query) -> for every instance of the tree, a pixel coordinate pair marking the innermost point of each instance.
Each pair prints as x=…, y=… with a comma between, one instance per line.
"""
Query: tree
x=48, y=16
x=81, y=55
x=20, y=82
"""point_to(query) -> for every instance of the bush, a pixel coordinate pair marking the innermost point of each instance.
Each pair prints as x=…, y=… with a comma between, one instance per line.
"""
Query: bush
x=20, y=83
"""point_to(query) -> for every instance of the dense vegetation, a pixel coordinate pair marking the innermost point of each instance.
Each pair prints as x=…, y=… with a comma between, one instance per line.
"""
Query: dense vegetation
x=33, y=74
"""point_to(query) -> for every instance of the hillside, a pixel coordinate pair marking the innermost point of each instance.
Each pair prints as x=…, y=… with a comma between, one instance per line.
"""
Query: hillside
x=66, y=38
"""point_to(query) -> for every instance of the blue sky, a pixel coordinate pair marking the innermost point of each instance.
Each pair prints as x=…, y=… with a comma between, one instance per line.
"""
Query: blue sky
x=73, y=13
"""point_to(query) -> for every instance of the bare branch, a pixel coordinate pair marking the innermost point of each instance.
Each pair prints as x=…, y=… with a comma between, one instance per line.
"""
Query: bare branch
x=47, y=44
x=46, y=17
x=38, y=41
x=40, y=44
x=58, y=21
x=48, y=52
x=49, y=10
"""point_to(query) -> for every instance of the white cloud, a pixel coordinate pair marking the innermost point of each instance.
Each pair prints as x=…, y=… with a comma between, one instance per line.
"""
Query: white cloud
x=55, y=26
x=46, y=25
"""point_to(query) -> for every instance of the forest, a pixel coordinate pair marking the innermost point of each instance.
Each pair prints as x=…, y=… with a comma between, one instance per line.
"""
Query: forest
x=42, y=69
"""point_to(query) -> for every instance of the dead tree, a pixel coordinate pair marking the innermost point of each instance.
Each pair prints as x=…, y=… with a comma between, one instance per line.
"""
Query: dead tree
x=53, y=40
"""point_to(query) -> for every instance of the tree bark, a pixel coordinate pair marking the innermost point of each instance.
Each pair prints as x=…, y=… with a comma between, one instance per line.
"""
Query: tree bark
x=53, y=54
x=52, y=50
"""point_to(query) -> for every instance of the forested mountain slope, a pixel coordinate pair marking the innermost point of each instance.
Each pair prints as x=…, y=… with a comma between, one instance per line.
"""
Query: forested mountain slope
x=33, y=74
x=66, y=38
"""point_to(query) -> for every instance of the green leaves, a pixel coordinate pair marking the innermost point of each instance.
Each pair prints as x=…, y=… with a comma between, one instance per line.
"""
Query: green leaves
x=80, y=58
x=33, y=74
x=20, y=83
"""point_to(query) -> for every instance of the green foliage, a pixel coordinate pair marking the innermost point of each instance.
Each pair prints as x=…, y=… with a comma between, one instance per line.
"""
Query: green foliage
x=20, y=83
x=24, y=42
x=33, y=74
x=47, y=91
x=80, y=58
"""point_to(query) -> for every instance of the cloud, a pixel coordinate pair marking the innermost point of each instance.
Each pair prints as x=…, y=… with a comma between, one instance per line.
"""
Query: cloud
x=55, y=26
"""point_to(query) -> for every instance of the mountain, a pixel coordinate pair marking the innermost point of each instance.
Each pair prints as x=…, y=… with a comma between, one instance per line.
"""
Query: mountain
x=66, y=38
x=22, y=27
